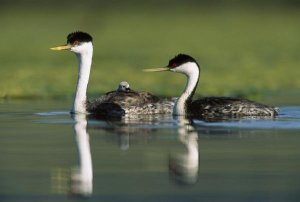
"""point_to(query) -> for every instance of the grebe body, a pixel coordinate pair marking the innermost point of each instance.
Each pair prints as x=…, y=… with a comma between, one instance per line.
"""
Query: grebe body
x=117, y=103
x=209, y=106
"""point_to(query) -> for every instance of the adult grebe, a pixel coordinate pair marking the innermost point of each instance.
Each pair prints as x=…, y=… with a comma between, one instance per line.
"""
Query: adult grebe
x=209, y=106
x=115, y=103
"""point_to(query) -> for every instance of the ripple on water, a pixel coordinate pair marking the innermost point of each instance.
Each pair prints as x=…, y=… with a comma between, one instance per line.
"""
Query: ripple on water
x=289, y=118
x=57, y=113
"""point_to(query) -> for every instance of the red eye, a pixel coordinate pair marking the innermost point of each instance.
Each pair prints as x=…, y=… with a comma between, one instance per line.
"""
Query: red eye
x=173, y=65
x=76, y=43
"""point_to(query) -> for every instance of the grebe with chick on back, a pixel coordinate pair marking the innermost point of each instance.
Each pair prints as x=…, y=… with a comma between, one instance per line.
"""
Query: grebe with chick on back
x=209, y=106
x=116, y=103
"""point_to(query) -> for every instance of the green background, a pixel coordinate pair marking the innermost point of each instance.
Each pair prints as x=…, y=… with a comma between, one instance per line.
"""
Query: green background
x=245, y=48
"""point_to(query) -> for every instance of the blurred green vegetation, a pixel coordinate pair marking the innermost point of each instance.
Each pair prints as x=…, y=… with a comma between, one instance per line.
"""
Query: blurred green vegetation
x=244, y=48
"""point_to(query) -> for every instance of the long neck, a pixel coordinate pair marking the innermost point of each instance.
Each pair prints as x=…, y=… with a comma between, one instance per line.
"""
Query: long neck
x=85, y=171
x=192, y=74
x=84, y=67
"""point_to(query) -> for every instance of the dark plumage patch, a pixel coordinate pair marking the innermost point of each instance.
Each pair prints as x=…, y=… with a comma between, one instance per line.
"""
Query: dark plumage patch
x=181, y=59
x=213, y=107
x=105, y=109
x=120, y=103
x=78, y=37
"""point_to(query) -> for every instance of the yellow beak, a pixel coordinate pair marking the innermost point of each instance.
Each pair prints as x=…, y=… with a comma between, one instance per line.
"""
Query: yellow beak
x=160, y=69
x=63, y=47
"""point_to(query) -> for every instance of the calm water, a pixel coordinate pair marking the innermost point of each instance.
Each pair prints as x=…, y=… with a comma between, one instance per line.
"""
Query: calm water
x=47, y=155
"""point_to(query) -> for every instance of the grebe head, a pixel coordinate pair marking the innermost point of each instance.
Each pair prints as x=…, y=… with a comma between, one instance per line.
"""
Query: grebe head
x=188, y=66
x=80, y=43
x=123, y=87
x=181, y=63
x=77, y=42
x=184, y=64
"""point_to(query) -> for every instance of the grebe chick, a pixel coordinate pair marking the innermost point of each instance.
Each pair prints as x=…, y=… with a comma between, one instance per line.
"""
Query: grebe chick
x=209, y=106
x=123, y=87
x=116, y=103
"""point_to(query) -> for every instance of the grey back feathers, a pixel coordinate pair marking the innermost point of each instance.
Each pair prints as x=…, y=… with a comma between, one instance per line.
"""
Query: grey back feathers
x=216, y=107
x=125, y=101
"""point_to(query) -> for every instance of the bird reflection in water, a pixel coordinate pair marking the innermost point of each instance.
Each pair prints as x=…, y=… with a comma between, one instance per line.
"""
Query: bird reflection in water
x=78, y=181
x=184, y=166
x=128, y=130
x=82, y=176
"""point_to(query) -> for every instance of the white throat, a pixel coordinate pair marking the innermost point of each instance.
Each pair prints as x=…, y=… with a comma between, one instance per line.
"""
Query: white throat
x=84, y=58
x=84, y=175
x=191, y=70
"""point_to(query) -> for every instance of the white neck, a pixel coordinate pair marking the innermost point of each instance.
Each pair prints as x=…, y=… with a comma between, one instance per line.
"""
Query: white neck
x=188, y=136
x=191, y=70
x=84, y=174
x=84, y=68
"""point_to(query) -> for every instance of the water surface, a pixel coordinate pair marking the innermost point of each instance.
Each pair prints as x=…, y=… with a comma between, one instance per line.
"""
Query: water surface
x=47, y=155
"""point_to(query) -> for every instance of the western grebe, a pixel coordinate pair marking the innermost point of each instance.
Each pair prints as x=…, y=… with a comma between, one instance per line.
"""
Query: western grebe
x=209, y=106
x=116, y=103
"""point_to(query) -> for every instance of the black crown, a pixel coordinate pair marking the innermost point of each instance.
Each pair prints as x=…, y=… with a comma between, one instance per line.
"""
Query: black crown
x=180, y=59
x=79, y=36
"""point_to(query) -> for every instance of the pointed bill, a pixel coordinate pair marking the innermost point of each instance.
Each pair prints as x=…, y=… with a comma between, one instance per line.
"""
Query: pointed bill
x=160, y=69
x=63, y=47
